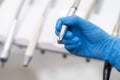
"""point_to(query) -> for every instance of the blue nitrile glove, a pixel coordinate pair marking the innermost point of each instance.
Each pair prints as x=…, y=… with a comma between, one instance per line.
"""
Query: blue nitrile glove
x=85, y=39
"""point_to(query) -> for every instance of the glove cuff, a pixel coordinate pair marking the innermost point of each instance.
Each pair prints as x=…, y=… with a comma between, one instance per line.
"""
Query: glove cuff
x=114, y=53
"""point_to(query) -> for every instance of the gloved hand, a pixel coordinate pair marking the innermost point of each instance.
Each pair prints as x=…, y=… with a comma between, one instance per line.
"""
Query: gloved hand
x=85, y=39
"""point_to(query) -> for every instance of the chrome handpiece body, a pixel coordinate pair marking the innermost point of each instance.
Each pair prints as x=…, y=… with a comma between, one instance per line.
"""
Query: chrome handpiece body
x=71, y=12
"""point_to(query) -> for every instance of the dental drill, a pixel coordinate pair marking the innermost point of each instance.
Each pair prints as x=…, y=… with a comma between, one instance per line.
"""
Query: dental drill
x=35, y=37
x=108, y=67
x=8, y=43
x=71, y=12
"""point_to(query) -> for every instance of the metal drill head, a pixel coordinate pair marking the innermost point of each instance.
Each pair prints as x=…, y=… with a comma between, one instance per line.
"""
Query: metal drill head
x=25, y=65
x=3, y=61
x=27, y=61
x=59, y=40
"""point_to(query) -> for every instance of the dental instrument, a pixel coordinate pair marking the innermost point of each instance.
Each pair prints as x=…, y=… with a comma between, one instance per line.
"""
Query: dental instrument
x=8, y=43
x=33, y=41
x=71, y=12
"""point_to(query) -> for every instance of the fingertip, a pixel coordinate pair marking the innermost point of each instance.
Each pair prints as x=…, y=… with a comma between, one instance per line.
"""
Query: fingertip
x=68, y=47
x=68, y=35
x=76, y=39
x=58, y=25
x=76, y=45
x=70, y=20
x=57, y=33
x=71, y=41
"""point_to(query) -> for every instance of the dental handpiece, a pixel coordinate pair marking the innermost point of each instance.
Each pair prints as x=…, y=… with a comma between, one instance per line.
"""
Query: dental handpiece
x=107, y=66
x=7, y=46
x=71, y=12
x=35, y=36
x=33, y=43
